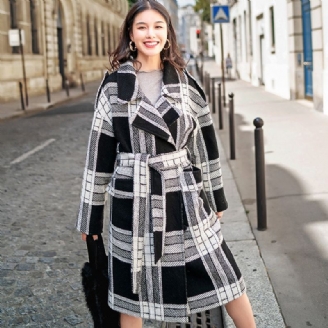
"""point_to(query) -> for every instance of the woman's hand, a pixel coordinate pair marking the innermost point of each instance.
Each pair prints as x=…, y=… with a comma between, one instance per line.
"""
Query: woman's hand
x=219, y=215
x=84, y=237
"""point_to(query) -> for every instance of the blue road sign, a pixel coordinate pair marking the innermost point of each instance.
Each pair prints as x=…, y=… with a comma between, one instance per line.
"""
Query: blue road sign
x=220, y=14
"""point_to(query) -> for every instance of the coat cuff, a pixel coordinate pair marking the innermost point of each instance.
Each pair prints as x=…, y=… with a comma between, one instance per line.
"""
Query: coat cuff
x=220, y=200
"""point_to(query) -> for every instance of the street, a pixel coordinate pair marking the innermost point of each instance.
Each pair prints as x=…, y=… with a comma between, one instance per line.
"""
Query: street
x=41, y=251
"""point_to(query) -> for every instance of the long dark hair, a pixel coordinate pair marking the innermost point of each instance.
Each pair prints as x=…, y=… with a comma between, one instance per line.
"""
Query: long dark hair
x=123, y=53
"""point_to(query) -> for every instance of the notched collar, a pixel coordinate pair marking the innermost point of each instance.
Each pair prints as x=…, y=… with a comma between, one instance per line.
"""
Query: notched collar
x=148, y=117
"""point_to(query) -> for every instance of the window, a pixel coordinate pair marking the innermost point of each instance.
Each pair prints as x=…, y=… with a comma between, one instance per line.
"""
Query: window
x=273, y=37
x=83, y=31
x=96, y=38
x=89, y=37
x=109, y=38
x=250, y=28
x=34, y=29
x=103, y=45
x=13, y=14
x=13, y=21
x=245, y=35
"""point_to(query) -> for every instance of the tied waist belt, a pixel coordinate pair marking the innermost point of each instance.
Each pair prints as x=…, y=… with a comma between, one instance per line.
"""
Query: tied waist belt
x=169, y=165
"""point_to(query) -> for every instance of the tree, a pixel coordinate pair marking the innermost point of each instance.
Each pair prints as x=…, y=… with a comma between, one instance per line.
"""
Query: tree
x=203, y=7
x=131, y=2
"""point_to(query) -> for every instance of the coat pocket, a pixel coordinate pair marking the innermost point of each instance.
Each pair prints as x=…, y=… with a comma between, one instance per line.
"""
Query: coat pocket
x=121, y=188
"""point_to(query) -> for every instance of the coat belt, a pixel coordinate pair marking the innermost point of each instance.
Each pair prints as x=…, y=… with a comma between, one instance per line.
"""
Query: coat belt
x=164, y=164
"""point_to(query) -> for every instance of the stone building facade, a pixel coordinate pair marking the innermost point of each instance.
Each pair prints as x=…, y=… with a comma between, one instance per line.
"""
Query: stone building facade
x=64, y=40
x=281, y=45
x=172, y=7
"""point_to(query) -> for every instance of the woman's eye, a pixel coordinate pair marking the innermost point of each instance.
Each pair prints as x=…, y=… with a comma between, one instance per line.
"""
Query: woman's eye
x=159, y=26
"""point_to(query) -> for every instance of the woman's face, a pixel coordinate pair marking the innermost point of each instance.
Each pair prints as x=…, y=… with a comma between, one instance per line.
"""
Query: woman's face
x=149, y=33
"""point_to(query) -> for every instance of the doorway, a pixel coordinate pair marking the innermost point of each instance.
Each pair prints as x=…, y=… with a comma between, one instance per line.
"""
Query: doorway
x=307, y=48
x=262, y=75
x=60, y=45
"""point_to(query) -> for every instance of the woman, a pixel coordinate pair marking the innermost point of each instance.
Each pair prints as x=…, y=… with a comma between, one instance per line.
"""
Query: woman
x=152, y=147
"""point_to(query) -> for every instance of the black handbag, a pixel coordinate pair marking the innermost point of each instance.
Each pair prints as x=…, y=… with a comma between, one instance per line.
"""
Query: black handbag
x=95, y=285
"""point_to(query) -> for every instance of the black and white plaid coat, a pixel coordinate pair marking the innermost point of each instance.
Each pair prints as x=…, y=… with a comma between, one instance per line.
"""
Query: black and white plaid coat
x=160, y=165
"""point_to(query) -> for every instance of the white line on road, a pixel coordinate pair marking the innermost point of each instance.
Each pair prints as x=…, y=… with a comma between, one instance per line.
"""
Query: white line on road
x=31, y=152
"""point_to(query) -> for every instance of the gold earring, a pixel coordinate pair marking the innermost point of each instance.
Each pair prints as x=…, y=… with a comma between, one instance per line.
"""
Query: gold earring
x=131, y=46
x=169, y=45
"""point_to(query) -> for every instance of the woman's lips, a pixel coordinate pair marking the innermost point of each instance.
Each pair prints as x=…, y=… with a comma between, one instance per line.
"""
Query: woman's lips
x=151, y=44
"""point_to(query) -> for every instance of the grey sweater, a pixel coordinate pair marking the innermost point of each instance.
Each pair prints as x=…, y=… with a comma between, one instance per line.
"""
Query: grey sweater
x=151, y=84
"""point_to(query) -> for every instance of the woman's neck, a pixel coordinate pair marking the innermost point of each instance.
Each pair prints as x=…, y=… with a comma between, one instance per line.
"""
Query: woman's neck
x=149, y=63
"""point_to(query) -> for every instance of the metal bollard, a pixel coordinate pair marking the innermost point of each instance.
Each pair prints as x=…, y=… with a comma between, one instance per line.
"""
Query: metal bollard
x=48, y=91
x=213, y=94
x=67, y=87
x=209, y=86
x=82, y=83
x=220, y=106
x=260, y=175
x=205, y=83
x=232, y=127
x=21, y=95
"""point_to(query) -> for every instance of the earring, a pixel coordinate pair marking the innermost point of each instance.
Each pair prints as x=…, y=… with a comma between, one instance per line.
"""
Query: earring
x=131, y=46
x=168, y=46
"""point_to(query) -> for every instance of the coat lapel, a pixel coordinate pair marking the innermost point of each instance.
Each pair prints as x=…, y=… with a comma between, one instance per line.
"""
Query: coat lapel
x=152, y=119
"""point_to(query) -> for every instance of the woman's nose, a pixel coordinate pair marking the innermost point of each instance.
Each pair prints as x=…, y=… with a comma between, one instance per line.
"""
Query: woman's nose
x=151, y=33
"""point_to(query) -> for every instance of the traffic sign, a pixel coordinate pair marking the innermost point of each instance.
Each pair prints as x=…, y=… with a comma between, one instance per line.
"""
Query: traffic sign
x=220, y=14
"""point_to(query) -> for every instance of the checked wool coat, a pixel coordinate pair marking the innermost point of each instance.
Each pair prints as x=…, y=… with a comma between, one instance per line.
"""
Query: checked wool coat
x=160, y=165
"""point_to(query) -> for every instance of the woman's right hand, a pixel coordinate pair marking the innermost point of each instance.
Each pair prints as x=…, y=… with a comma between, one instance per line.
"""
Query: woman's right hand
x=84, y=237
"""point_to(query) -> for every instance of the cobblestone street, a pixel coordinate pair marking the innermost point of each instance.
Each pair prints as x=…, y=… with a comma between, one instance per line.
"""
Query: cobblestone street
x=41, y=252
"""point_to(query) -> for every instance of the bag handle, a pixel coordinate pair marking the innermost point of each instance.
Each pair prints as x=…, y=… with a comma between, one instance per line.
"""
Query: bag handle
x=96, y=252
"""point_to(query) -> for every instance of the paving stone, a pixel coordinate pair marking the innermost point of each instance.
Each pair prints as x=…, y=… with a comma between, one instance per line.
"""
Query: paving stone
x=15, y=259
x=46, y=260
x=21, y=252
x=73, y=319
x=8, y=266
x=23, y=292
x=25, y=267
x=31, y=259
x=6, y=282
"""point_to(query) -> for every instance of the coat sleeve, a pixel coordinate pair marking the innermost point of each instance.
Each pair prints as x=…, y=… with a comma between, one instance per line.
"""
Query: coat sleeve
x=99, y=166
x=204, y=150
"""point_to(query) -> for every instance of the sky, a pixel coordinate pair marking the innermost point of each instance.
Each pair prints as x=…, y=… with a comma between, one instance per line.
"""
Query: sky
x=182, y=3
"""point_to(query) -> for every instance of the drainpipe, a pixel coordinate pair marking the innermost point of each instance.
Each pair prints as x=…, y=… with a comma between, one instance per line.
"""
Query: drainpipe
x=44, y=37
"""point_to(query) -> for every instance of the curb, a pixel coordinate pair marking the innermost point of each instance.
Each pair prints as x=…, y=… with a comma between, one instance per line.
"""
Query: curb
x=36, y=109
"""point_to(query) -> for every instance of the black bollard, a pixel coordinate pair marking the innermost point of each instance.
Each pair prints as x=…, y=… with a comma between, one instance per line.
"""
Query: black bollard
x=209, y=86
x=260, y=175
x=67, y=87
x=232, y=127
x=206, y=84
x=21, y=95
x=213, y=94
x=82, y=83
x=220, y=107
x=48, y=91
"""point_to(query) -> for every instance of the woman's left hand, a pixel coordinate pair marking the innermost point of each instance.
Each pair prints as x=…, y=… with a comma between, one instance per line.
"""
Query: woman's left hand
x=219, y=215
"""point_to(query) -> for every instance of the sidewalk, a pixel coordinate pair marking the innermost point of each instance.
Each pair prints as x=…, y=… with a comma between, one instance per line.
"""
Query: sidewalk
x=240, y=238
x=13, y=109
x=295, y=246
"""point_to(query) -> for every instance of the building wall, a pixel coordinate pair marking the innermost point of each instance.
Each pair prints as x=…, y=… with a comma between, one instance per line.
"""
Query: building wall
x=172, y=8
x=189, y=23
x=105, y=18
x=325, y=59
x=277, y=65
